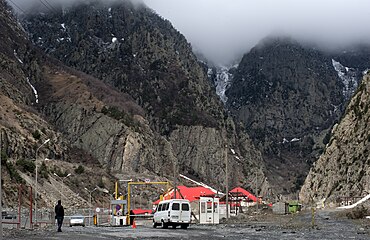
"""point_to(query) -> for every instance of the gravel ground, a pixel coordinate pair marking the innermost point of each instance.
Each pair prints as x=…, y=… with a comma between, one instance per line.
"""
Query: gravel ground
x=328, y=226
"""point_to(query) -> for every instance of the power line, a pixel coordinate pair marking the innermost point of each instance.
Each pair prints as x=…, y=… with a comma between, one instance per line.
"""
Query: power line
x=14, y=4
x=51, y=6
x=45, y=5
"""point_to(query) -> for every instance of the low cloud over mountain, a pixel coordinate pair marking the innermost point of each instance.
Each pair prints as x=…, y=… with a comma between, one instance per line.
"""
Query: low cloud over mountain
x=223, y=30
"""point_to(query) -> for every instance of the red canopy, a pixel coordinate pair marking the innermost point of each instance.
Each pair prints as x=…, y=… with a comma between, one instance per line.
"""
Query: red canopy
x=241, y=192
x=189, y=193
x=140, y=211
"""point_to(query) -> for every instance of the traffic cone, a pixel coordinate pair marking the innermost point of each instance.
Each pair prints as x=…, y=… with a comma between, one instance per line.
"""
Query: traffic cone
x=133, y=224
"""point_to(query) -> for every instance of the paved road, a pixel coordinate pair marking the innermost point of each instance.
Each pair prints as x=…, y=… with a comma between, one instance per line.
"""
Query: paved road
x=299, y=228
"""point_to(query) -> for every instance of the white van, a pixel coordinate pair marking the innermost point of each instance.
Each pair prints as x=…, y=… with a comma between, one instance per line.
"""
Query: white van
x=174, y=212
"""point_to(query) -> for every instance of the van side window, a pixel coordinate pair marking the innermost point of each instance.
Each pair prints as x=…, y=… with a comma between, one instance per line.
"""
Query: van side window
x=175, y=206
x=167, y=205
x=159, y=207
x=185, y=207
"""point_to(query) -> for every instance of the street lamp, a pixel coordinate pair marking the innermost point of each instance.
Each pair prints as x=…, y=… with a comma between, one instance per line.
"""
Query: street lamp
x=62, y=180
x=47, y=140
x=227, y=178
x=90, y=192
x=227, y=183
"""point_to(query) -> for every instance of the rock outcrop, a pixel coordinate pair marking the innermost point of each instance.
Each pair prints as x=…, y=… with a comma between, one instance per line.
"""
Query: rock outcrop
x=288, y=97
x=344, y=168
x=130, y=47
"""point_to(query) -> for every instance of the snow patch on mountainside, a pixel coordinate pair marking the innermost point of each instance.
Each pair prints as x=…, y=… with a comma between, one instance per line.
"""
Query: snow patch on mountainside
x=16, y=56
x=223, y=80
x=34, y=90
x=348, y=77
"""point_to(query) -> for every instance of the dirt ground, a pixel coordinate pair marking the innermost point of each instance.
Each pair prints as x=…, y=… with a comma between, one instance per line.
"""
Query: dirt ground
x=328, y=224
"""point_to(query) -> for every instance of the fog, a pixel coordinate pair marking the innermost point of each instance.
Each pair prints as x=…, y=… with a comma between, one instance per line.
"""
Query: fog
x=223, y=30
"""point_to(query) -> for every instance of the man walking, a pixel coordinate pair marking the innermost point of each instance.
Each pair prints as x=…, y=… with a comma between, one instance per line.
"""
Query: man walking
x=59, y=215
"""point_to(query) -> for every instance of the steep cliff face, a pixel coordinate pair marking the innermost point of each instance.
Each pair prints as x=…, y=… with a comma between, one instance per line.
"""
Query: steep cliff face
x=21, y=127
x=131, y=48
x=288, y=97
x=344, y=168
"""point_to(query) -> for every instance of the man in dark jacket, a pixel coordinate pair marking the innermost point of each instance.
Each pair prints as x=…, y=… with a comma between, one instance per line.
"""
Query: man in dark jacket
x=59, y=215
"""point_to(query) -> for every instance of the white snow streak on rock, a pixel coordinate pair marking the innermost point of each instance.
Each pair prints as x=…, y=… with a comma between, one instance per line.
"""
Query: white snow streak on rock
x=16, y=56
x=34, y=90
x=348, y=77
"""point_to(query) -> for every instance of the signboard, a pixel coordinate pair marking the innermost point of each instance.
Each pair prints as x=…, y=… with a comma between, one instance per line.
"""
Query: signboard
x=116, y=202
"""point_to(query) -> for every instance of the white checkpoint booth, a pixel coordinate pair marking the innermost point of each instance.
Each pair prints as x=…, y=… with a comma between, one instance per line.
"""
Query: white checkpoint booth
x=209, y=210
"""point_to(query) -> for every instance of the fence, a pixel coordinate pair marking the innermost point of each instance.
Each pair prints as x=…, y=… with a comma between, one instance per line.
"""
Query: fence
x=21, y=218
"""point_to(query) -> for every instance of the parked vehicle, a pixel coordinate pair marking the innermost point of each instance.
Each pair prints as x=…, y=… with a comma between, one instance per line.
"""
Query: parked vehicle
x=174, y=212
x=77, y=220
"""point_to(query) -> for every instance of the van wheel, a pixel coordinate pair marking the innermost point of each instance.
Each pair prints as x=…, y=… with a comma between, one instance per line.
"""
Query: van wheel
x=154, y=224
x=184, y=226
x=164, y=225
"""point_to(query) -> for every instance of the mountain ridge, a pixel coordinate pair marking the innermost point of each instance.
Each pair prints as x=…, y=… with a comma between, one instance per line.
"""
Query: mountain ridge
x=288, y=96
x=120, y=131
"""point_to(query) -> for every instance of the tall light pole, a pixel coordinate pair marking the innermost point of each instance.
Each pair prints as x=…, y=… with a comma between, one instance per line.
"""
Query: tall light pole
x=227, y=183
x=62, y=180
x=257, y=192
x=47, y=140
x=90, y=192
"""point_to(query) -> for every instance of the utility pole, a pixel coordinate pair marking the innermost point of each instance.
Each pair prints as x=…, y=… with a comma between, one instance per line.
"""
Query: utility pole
x=47, y=140
x=174, y=179
x=256, y=192
x=227, y=183
x=62, y=180
x=90, y=193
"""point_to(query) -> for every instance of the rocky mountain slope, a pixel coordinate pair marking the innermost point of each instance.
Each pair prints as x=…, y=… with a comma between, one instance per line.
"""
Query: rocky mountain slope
x=133, y=49
x=142, y=108
x=344, y=168
x=288, y=97
x=26, y=85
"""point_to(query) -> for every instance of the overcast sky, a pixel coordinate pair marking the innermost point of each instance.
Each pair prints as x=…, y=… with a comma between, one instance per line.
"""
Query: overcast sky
x=224, y=29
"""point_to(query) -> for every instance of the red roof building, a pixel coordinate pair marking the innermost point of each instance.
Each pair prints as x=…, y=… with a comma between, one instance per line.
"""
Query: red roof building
x=189, y=193
x=241, y=192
